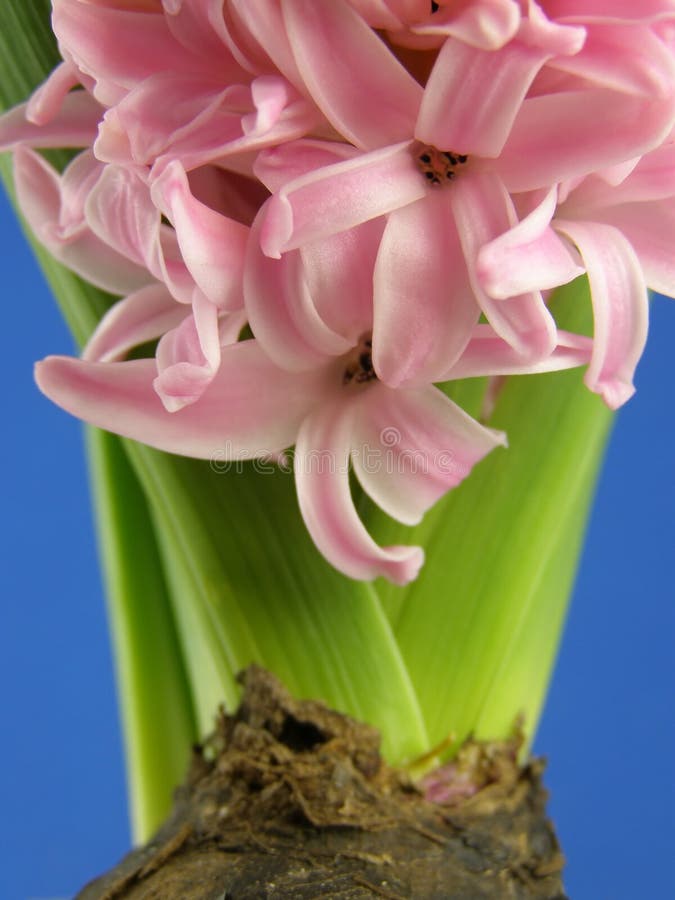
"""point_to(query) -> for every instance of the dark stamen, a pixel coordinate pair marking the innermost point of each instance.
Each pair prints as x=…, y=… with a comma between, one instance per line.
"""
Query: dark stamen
x=438, y=166
x=359, y=368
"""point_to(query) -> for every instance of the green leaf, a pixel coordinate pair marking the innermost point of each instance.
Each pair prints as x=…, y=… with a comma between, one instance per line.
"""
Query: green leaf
x=28, y=50
x=480, y=628
x=250, y=586
x=156, y=707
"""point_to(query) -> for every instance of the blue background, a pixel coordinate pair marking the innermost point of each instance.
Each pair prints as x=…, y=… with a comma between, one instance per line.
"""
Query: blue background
x=609, y=727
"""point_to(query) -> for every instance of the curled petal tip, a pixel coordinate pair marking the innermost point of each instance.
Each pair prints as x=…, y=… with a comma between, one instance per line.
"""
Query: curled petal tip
x=403, y=564
x=614, y=393
x=277, y=227
x=45, y=373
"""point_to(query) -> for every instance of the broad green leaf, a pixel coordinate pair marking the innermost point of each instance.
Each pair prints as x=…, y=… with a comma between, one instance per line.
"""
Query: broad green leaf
x=479, y=629
x=156, y=706
x=253, y=587
x=28, y=50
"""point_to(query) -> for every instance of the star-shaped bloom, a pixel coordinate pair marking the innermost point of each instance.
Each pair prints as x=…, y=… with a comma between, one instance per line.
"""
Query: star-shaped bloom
x=316, y=388
x=618, y=225
x=442, y=162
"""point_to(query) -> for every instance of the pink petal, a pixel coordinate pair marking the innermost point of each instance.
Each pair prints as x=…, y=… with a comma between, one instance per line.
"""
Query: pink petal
x=322, y=453
x=424, y=306
x=473, y=96
x=141, y=317
x=233, y=135
x=628, y=58
x=280, y=113
x=528, y=257
x=162, y=110
x=263, y=21
x=188, y=357
x=270, y=95
x=212, y=145
x=619, y=172
x=653, y=178
x=250, y=410
x=46, y=101
x=412, y=446
x=486, y=24
x=483, y=210
x=77, y=181
x=167, y=264
x=195, y=24
x=620, y=308
x=74, y=126
x=212, y=245
x=487, y=354
x=278, y=166
x=572, y=133
x=281, y=311
x=243, y=46
x=338, y=273
x=616, y=10
x=338, y=54
x=379, y=13
x=340, y=196
x=649, y=227
x=38, y=190
x=540, y=29
x=118, y=48
x=120, y=211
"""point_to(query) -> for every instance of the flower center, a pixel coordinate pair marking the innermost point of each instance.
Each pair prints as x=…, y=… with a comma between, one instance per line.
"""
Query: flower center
x=359, y=363
x=438, y=166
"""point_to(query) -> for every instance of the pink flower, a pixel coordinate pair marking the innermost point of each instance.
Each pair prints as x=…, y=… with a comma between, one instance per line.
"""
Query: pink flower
x=618, y=225
x=500, y=130
x=407, y=446
x=116, y=47
x=200, y=260
x=160, y=84
x=359, y=199
x=54, y=207
x=317, y=388
x=184, y=282
x=199, y=120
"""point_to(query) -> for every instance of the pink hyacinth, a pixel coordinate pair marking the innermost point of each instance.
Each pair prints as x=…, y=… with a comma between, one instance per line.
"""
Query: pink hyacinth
x=358, y=181
x=320, y=392
x=620, y=223
x=558, y=101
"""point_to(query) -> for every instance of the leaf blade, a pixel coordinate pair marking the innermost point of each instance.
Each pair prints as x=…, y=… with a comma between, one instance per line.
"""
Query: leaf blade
x=272, y=599
x=471, y=628
x=155, y=703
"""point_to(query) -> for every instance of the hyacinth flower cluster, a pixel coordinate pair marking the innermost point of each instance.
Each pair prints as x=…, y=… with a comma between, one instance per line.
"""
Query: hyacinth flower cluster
x=321, y=211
